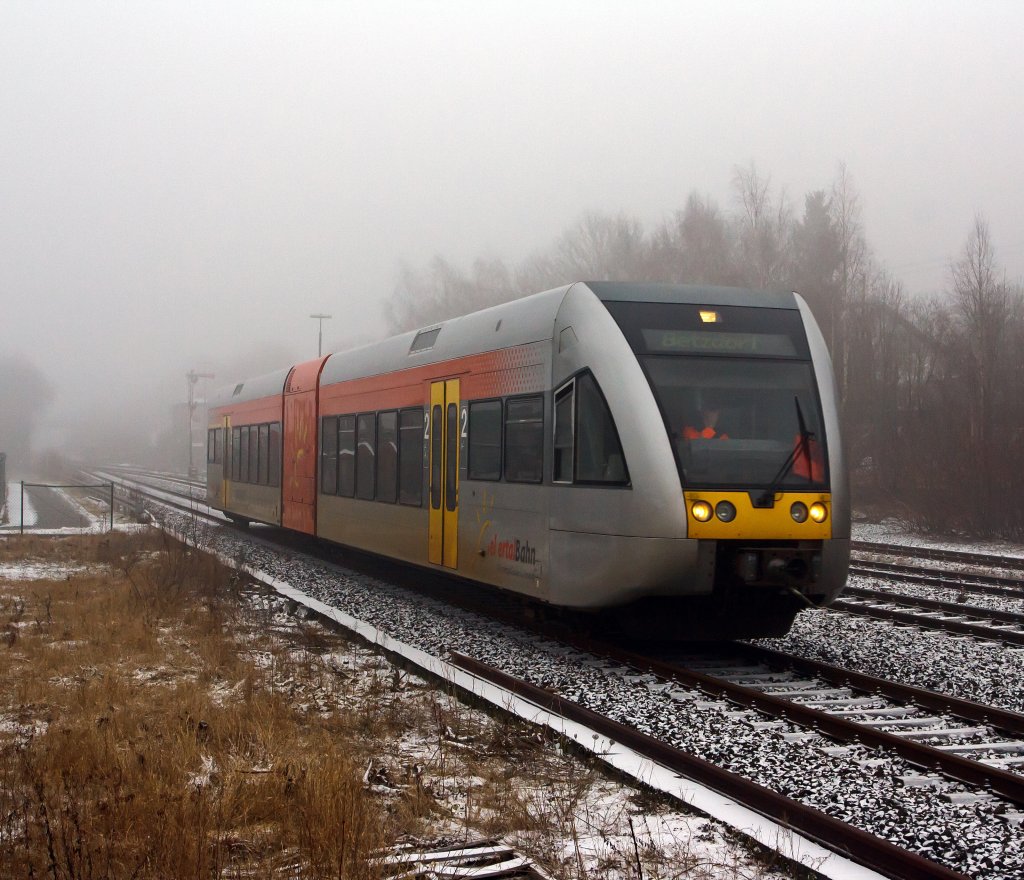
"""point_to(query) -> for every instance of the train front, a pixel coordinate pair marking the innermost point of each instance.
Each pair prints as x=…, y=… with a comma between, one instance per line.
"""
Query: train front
x=745, y=387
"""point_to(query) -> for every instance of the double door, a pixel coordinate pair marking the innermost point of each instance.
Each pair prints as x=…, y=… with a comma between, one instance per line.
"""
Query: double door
x=444, y=435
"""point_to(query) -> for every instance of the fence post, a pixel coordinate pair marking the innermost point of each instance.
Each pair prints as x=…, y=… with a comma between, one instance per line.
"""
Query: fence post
x=111, y=506
x=23, y=507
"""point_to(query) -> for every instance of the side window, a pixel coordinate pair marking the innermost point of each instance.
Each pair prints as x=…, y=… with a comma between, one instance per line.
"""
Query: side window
x=410, y=455
x=265, y=454
x=366, y=451
x=436, y=418
x=485, y=440
x=211, y=445
x=451, y=465
x=236, y=454
x=599, y=457
x=387, y=457
x=243, y=467
x=347, y=456
x=565, y=431
x=329, y=455
x=524, y=439
x=275, y=453
x=254, y=456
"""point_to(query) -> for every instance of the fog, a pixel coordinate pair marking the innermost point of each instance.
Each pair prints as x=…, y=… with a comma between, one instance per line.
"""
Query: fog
x=183, y=184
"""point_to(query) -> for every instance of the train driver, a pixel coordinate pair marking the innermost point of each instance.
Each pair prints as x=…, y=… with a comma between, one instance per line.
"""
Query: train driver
x=709, y=429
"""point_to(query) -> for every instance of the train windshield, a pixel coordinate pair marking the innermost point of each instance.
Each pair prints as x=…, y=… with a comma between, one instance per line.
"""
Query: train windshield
x=737, y=392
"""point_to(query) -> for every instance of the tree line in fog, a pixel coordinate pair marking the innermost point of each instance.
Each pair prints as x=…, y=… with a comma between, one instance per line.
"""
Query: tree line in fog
x=932, y=390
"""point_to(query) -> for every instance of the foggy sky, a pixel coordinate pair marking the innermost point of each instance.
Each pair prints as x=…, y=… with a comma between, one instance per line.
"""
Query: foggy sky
x=182, y=184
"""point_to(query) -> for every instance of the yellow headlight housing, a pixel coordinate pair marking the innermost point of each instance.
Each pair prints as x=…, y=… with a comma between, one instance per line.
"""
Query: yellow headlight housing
x=819, y=512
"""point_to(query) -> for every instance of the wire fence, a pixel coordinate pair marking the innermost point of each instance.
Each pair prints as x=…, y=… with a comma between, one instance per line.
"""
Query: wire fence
x=61, y=507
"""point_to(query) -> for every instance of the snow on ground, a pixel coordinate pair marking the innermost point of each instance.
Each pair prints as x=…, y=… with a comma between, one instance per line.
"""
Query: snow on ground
x=15, y=514
x=38, y=570
x=894, y=531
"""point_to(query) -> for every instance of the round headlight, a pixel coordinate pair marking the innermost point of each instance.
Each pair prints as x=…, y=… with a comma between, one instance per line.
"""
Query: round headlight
x=701, y=511
x=798, y=511
x=819, y=512
x=725, y=511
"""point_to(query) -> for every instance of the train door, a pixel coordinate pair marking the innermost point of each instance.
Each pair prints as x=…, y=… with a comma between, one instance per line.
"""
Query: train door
x=298, y=492
x=444, y=438
x=298, y=471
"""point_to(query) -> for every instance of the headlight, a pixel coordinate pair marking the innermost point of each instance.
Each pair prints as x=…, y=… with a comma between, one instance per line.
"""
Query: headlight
x=798, y=511
x=701, y=511
x=819, y=512
x=725, y=511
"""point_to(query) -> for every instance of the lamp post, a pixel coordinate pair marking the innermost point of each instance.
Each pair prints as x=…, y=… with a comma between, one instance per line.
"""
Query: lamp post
x=320, y=333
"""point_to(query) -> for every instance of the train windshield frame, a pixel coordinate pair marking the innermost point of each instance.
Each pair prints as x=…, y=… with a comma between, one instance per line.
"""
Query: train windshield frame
x=736, y=389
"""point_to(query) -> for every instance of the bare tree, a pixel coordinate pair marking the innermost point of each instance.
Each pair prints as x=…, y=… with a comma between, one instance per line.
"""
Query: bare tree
x=765, y=228
x=601, y=247
x=982, y=302
x=443, y=291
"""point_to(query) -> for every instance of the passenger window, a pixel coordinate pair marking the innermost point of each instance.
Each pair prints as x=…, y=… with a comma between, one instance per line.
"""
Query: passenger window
x=366, y=451
x=485, y=440
x=387, y=457
x=329, y=455
x=435, y=457
x=275, y=454
x=564, y=432
x=254, y=454
x=243, y=467
x=599, y=457
x=211, y=445
x=410, y=452
x=524, y=440
x=236, y=454
x=265, y=454
x=347, y=456
x=451, y=467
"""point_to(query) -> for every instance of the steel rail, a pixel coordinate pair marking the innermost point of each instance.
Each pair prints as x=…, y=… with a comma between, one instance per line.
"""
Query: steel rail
x=992, y=634
x=969, y=582
x=872, y=851
x=1002, y=719
x=852, y=842
x=1005, y=784
x=964, y=556
x=976, y=612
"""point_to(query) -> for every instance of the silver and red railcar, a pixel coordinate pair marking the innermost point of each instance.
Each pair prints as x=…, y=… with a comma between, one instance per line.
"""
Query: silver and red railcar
x=545, y=447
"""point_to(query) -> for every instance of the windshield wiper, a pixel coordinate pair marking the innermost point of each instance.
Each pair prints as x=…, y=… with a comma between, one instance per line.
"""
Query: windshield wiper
x=767, y=497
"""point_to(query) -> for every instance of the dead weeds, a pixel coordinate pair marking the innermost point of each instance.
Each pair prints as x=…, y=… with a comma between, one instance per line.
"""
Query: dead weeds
x=161, y=716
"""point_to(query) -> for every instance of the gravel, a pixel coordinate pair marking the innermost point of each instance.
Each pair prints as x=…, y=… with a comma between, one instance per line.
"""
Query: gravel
x=867, y=788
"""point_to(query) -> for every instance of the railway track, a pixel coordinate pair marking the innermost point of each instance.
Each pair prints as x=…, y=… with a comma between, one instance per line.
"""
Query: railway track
x=969, y=620
x=959, y=557
x=964, y=617
x=976, y=748
x=964, y=582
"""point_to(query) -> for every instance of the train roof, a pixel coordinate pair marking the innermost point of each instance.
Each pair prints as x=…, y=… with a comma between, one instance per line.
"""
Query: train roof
x=693, y=294
x=518, y=322
x=251, y=389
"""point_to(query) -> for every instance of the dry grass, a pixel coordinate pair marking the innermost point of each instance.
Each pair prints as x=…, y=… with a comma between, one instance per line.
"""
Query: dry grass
x=140, y=740
x=161, y=717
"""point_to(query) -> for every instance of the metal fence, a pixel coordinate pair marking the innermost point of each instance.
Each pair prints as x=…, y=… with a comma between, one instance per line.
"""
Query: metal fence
x=3, y=487
x=103, y=493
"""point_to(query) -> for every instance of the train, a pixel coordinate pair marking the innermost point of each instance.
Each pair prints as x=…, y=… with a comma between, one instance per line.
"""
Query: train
x=667, y=457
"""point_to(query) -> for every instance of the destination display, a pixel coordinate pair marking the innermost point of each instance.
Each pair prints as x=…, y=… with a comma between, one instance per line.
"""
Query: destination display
x=662, y=341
